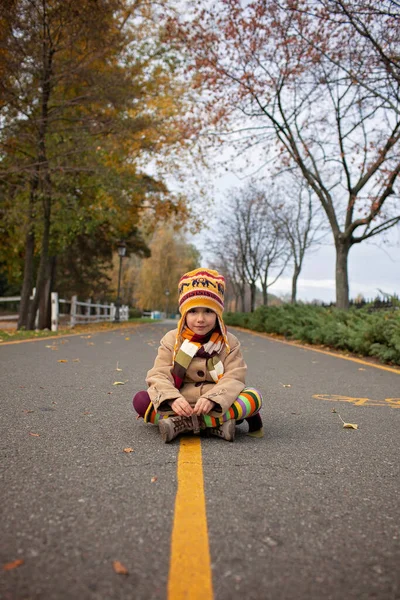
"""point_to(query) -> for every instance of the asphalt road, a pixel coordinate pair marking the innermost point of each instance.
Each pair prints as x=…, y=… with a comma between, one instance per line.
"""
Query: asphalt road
x=309, y=512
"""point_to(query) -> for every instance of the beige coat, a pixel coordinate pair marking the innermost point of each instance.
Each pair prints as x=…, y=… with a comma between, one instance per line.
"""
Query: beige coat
x=198, y=381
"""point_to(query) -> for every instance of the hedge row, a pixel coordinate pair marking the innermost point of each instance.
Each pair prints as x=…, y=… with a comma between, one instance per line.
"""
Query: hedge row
x=356, y=330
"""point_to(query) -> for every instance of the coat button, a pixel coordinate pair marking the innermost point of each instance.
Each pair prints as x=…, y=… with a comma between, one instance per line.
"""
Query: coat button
x=200, y=373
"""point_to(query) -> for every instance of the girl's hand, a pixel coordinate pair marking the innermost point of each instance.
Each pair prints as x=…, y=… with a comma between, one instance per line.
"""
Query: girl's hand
x=181, y=407
x=203, y=406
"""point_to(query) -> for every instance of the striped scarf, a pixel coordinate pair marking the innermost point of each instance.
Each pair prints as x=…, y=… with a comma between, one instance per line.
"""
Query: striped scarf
x=204, y=346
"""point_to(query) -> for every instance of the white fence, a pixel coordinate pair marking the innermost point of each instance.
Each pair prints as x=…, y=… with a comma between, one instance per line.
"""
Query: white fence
x=74, y=312
x=85, y=312
x=9, y=299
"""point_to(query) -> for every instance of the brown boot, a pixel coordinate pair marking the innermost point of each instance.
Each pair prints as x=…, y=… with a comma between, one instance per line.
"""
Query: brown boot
x=226, y=431
x=170, y=428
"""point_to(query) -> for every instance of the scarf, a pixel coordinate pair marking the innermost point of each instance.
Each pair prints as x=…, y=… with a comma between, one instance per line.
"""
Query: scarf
x=205, y=346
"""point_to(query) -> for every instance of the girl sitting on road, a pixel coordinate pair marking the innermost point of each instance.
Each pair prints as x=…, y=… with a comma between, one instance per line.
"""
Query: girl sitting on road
x=198, y=378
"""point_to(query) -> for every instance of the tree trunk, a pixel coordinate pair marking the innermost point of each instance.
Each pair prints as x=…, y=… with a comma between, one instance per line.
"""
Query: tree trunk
x=265, y=294
x=43, y=265
x=253, y=290
x=295, y=277
x=23, y=317
x=243, y=298
x=45, y=299
x=343, y=246
x=44, y=182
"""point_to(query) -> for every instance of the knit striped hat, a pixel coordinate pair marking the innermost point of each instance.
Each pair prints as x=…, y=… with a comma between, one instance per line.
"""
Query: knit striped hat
x=202, y=288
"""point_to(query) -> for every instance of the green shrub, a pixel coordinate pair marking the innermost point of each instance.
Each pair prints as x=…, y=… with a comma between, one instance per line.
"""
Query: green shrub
x=355, y=330
x=134, y=313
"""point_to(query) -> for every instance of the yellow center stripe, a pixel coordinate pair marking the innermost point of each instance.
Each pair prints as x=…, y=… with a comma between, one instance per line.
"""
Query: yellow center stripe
x=190, y=567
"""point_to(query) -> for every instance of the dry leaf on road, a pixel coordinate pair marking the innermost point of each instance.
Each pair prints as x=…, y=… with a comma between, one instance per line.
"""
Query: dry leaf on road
x=76, y=360
x=286, y=384
x=127, y=338
x=128, y=450
x=119, y=568
x=153, y=479
x=119, y=383
x=117, y=367
x=347, y=425
x=34, y=434
x=13, y=565
x=63, y=360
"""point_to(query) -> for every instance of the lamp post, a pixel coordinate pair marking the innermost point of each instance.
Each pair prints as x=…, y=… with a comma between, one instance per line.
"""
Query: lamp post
x=121, y=253
x=167, y=292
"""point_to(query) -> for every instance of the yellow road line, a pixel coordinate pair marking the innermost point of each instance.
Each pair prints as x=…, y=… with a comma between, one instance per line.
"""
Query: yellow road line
x=64, y=335
x=334, y=354
x=190, y=566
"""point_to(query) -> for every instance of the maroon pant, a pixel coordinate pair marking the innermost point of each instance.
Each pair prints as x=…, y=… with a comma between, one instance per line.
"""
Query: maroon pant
x=140, y=402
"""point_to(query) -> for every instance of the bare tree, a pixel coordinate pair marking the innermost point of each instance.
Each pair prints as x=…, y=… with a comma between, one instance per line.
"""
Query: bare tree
x=252, y=241
x=224, y=253
x=374, y=28
x=300, y=221
x=278, y=65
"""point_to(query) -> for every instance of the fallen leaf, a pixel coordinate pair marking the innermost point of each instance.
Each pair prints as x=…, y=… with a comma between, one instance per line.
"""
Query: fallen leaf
x=127, y=338
x=13, y=565
x=117, y=368
x=28, y=411
x=34, y=434
x=90, y=343
x=286, y=384
x=361, y=369
x=107, y=342
x=87, y=412
x=347, y=425
x=85, y=337
x=76, y=360
x=153, y=479
x=333, y=410
x=119, y=383
x=63, y=360
x=127, y=450
x=109, y=392
x=119, y=568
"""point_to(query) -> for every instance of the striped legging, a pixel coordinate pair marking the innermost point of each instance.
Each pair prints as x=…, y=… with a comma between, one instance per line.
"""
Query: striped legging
x=247, y=404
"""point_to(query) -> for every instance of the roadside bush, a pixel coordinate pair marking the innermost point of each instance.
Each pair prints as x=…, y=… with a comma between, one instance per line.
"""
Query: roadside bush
x=134, y=313
x=356, y=330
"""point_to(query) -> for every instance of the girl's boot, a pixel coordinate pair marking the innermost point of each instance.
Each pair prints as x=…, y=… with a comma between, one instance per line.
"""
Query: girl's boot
x=226, y=431
x=170, y=428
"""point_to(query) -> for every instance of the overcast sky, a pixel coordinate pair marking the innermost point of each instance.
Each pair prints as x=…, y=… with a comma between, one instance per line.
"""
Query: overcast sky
x=373, y=265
